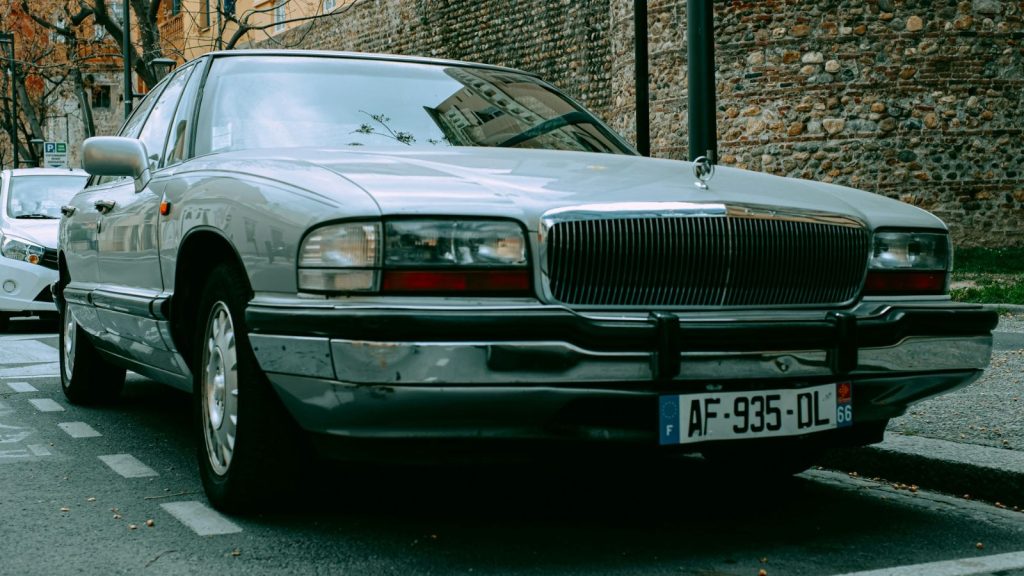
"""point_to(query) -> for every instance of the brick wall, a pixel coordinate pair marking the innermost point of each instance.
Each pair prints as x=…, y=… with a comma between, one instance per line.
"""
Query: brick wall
x=915, y=99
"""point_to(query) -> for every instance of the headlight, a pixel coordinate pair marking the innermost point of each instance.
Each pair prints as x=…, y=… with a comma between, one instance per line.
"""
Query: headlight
x=454, y=243
x=18, y=249
x=909, y=263
x=423, y=256
x=340, y=257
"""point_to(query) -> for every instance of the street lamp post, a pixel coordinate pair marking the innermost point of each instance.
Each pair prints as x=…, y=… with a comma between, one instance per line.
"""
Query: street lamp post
x=8, y=39
x=126, y=38
x=37, y=147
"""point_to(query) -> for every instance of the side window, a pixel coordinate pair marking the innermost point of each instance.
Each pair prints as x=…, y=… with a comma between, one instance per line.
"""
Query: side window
x=133, y=125
x=154, y=132
x=181, y=128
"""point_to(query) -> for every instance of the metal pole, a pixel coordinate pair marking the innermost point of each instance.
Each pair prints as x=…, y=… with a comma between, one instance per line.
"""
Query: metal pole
x=126, y=39
x=8, y=38
x=643, y=99
x=700, y=35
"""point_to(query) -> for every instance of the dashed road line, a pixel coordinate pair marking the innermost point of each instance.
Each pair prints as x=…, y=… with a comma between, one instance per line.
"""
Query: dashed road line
x=128, y=466
x=46, y=405
x=27, y=352
x=39, y=450
x=203, y=520
x=997, y=563
x=79, y=430
x=21, y=387
x=44, y=370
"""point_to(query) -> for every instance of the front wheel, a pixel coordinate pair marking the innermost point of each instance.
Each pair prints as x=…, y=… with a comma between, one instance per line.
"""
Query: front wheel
x=85, y=376
x=246, y=439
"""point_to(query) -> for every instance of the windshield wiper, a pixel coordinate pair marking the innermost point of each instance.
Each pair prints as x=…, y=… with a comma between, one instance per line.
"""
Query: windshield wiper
x=36, y=217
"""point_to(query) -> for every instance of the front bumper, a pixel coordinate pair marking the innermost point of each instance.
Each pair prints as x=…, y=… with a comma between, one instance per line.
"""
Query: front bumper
x=25, y=287
x=537, y=372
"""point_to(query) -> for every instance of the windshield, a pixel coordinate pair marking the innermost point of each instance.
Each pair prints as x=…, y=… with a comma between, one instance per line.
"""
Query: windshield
x=289, y=101
x=41, y=196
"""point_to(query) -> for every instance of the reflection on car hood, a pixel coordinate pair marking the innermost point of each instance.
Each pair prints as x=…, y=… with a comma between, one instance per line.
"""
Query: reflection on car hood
x=526, y=183
x=42, y=232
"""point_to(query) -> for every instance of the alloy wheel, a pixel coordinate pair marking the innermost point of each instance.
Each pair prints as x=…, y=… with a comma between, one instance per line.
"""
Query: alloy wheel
x=220, y=388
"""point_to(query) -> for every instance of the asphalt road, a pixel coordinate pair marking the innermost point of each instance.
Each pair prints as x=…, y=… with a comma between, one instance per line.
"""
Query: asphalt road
x=78, y=485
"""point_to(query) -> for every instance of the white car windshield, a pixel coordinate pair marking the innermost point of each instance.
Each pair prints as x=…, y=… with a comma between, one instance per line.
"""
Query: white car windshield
x=292, y=101
x=41, y=196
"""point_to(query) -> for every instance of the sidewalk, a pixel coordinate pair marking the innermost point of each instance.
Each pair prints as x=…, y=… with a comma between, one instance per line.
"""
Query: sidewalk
x=968, y=442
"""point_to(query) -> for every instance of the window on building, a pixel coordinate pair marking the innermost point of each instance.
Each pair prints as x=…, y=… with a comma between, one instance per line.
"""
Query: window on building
x=98, y=32
x=101, y=96
x=175, y=7
x=279, y=16
x=329, y=5
x=116, y=10
x=204, y=14
x=229, y=7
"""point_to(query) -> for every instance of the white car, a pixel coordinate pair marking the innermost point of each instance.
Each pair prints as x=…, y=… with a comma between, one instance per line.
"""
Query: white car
x=30, y=202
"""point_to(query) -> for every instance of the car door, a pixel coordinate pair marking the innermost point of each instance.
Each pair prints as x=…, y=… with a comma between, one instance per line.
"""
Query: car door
x=79, y=239
x=129, y=276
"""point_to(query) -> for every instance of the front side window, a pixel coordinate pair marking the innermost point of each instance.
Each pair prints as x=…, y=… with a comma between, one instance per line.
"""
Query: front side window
x=293, y=101
x=40, y=197
x=154, y=133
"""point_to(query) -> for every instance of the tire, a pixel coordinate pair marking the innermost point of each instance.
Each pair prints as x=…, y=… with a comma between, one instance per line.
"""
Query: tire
x=247, y=442
x=5, y=321
x=85, y=376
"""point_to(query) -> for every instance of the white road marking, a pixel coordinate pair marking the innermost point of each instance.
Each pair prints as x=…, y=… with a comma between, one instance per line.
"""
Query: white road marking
x=128, y=466
x=16, y=453
x=26, y=352
x=39, y=450
x=442, y=362
x=961, y=567
x=202, y=520
x=46, y=405
x=46, y=369
x=21, y=387
x=79, y=430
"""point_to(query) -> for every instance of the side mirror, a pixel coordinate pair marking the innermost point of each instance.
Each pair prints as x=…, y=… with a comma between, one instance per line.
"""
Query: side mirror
x=117, y=156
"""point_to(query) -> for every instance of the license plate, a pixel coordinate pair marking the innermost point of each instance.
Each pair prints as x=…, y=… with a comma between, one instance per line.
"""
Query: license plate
x=689, y=418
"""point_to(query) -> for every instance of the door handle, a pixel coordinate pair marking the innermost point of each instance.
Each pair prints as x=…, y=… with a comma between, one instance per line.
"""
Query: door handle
x=104, y=206
x=67, y=210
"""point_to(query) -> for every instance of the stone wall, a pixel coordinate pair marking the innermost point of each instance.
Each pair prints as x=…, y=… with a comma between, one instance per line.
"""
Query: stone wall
x=915, y=99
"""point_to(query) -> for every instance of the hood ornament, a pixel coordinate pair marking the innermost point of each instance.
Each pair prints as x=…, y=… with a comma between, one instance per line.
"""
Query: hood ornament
x=704, y=170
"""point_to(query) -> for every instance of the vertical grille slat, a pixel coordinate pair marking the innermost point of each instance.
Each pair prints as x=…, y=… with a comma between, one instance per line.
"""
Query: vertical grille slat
x=704, y=260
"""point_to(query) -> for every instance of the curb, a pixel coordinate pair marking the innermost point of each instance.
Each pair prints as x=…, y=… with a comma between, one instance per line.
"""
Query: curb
x=968, y=470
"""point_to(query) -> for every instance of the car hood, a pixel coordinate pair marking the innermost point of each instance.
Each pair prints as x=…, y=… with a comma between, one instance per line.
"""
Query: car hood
x=42, y=232
x=524, y=184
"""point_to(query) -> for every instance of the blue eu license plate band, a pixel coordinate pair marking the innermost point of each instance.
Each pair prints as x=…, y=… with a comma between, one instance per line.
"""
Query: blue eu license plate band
x=690, y=418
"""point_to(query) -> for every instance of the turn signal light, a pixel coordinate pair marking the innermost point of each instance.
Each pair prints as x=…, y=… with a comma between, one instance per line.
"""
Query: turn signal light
x=905, y=282
x=458, y=281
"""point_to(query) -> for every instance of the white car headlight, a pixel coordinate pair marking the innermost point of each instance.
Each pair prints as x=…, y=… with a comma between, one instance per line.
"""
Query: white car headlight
x=909, y=263
x=416, y=255
x=18, y=249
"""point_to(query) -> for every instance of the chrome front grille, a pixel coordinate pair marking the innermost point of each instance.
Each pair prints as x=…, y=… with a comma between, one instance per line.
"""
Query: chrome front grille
x=736, y=258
